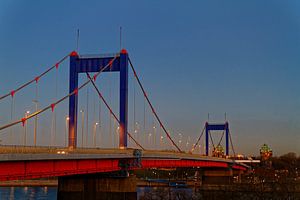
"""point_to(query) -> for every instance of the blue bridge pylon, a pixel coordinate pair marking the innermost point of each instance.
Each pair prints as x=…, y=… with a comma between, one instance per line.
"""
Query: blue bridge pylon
x=216, y=127
x=80, y=64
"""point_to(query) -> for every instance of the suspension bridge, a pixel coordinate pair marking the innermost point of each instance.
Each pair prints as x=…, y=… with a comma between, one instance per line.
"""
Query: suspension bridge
x=83, y=154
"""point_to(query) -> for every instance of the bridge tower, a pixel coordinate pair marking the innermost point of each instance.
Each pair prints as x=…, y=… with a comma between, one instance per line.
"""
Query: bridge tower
x=81, y=64
x=216, y=127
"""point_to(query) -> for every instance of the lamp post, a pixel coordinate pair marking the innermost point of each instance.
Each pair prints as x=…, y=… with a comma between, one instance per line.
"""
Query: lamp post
x=35, y=122
x=82, y=126
x=66, y=129
x=179, y=139
x=154, y=136
x=118, y=132
x=149, y=139
x=94, y=134
x=187, y=145
x=161, y=141
x=136, y=130
x=25, y=128
x=100, y=139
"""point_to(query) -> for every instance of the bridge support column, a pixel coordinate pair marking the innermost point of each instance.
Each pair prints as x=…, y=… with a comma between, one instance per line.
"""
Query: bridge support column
x=227, y=138
x=96, y=186
x=206, y=139
x=73, y=100
x=123, y=99
x=223, y=177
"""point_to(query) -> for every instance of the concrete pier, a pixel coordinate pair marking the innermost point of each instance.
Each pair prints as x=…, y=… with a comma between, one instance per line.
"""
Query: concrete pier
x=96, y=186
x=223, y=177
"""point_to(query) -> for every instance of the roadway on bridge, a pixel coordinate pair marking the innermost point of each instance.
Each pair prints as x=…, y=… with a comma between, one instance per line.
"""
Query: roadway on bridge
x=17, y=153
x=18, y=163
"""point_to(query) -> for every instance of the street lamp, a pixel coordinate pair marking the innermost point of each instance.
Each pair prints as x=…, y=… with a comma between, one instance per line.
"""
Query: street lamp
x=187, y=143
x=94, y=133
x=149, y=139
x=117, y=135
x=179, y=139
x=66, y=129
x=154, y=136
x=161, y=140
x=35, y=122
x=136, y=130
x=25, y=128
x=82, y=126
x=100, y=133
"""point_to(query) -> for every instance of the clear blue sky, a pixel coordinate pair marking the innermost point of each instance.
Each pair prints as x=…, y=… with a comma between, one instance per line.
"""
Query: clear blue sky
x=194, y=57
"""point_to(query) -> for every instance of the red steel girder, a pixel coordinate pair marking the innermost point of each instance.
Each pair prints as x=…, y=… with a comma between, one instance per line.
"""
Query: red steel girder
x=18, y=170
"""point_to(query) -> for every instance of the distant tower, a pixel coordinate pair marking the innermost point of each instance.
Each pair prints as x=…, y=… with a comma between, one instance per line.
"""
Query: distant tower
x=265, y=152
x=219, y=151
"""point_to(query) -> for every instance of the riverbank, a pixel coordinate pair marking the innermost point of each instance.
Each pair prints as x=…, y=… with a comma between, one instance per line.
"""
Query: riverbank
x=266, y=187
x=30, y=183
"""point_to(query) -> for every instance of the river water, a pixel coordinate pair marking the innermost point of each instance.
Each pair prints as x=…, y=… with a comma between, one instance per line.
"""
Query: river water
x=40, y=193
x=43, y=193
x=149, y=193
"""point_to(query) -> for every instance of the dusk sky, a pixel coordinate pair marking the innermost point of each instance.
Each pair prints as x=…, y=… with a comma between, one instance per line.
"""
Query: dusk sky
x=193, y=57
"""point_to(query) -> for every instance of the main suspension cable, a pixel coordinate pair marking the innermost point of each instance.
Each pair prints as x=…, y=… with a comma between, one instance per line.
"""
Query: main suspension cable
x=75, y=92
x=151, y=106
x=36, y=79
x=198, y=140
x=110, y=109
x=212, y=141
x=231, y=143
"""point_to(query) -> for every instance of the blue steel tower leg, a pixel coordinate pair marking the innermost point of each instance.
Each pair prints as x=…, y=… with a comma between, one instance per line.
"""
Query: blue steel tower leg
x=123, y=99
x=227, y=142
x=73, y=102
x=206, y=139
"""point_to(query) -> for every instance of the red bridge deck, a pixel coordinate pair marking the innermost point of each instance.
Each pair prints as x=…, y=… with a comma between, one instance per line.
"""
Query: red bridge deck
x=53, y=162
